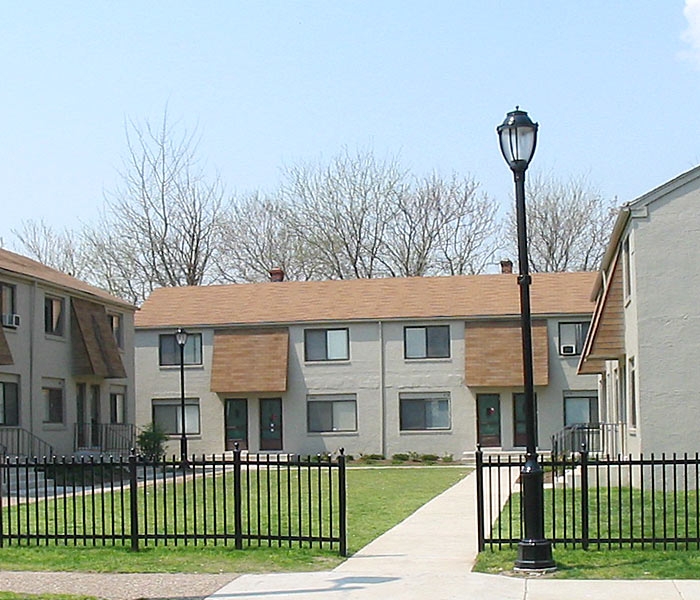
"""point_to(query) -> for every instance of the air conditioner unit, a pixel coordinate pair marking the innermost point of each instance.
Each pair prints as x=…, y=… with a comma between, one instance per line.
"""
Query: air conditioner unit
x=567, y=350
x=10, y=320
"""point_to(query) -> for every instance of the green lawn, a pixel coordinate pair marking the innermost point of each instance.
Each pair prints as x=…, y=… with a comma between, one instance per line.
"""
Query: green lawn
x=614, y=514
x=377, y=500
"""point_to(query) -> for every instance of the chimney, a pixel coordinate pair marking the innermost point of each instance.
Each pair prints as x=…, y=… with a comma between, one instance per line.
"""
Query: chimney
x=507, y=266
x=276, y=274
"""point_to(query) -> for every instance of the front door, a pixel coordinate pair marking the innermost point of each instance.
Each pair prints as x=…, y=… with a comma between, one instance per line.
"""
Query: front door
x=270, y=424
x=236, y=423
x=488, y=408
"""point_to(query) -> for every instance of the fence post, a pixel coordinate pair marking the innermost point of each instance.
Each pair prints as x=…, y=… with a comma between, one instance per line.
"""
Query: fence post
x=480, y=498
x=584, y=495
x=237, y=500
x=342, y=504
x=133, y=501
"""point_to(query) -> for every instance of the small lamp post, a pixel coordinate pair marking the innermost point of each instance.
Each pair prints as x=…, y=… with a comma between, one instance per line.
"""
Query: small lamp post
x=518, y=139
x=181, y=338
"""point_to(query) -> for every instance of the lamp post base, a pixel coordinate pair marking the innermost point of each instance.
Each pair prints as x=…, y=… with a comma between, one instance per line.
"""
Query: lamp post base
x=535, y=555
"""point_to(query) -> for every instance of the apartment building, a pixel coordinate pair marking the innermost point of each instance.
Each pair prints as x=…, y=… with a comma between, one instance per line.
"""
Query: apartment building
x=643, y=342
x=66, y=363
x=376, y=366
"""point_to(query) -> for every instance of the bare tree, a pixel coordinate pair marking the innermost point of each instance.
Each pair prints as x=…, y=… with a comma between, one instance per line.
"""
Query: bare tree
x=257, y=237
x=340, y=212
x=440, y=226
x=61, y=250
x=161, y=226
x=568, y=222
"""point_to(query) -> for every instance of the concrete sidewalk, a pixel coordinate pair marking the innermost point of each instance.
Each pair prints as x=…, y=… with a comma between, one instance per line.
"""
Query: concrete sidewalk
x=430, y=555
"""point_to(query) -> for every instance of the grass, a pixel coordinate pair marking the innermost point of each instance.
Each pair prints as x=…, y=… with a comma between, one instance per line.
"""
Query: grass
x=604, y=564
x=614, y=513
x=13, y=596
x=377, y=500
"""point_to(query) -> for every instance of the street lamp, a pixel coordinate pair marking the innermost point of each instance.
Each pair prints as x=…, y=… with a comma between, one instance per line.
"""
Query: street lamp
x=518, y=138
x=181, y=338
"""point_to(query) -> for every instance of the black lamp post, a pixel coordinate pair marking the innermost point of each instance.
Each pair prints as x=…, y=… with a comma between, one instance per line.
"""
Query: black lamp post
x=518, y=138
x=181, y=338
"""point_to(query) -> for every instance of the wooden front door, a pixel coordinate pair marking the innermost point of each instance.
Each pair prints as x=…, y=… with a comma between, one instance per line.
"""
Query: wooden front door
x=270, y=424
x=488, y=418
x=236, y=423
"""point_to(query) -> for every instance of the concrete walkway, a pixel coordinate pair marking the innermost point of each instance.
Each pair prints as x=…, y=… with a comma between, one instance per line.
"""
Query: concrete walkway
x=430, y=556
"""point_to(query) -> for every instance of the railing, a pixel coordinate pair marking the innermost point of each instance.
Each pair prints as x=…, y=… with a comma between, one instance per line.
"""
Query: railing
x=18, y=442
x=105, y=438
x=244, y=501
x=598, y=501
x=605, y=438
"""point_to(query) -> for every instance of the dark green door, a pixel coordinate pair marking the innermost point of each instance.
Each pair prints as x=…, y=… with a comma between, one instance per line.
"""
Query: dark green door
x=270, y=424
x=236, y=423
x=520, y=420
x=488, y=408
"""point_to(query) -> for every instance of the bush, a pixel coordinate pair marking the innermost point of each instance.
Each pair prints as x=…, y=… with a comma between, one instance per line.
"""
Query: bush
x=151, y=442
x=429, y=458
x=400, y=457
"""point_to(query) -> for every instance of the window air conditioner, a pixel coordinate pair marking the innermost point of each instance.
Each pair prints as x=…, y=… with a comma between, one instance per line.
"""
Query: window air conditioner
x=567, y=349
x=10, y=320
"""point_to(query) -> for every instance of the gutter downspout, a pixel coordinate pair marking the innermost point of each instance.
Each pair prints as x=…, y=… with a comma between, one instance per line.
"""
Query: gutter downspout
x=32, y=334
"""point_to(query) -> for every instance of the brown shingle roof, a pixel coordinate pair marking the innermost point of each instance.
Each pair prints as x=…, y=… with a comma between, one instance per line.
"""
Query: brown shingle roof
x=23, y=266
x=362, y=299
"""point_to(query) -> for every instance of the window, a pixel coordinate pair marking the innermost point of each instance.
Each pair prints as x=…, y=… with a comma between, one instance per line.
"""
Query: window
x=427, y=342
x=167, y=414
x=572, y=337
x=53, y=403
x=419, y=412
x=632, y=393
x=9, y=403
x=53, y=315
x=580, y=407
x=331, y=413
x=626, y=268
x=117, y=407
x=115, y=324
x=7, y=303
x=170, y=351
x=326, y=344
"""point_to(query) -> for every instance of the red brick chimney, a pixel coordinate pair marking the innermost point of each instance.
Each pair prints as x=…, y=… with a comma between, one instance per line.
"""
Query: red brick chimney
x=276, y=274
x=507, y=266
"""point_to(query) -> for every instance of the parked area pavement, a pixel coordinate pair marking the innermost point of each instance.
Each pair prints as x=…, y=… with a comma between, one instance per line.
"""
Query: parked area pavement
x=427, y=556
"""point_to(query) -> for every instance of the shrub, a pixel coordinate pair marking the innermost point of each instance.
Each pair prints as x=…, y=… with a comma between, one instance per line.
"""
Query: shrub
x=429, y=458
x=400, y=457
x=151, y=442
x=448, y=458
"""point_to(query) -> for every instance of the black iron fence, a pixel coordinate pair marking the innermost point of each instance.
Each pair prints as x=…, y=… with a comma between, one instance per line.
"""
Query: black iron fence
x=594, y=501
x=280, y=500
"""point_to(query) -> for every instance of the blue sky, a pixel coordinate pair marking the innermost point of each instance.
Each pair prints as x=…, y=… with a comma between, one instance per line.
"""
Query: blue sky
x=614, y=85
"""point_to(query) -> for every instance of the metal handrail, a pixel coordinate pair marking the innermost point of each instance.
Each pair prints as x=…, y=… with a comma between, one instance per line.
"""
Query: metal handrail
x=105, y=438
x=17, y=441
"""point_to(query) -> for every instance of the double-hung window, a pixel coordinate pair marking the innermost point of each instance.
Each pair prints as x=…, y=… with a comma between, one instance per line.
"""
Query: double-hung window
x=580, y=407
x=572, y=336
x=337, y=412
x=427, y=342
x=54, y=315
x=7, y=302
x=326, y=344
x=424, y=411
x=9, y=403
x=117, y=407
x=169, y=350
x=116, y=325
x=53, y=403
x=167, y=414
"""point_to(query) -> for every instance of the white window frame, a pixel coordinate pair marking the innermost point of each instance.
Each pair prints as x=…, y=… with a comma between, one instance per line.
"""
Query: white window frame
x=337, y=403
x=421, y=336
x=192, y=355
x=331, y=337
x=193, y=418
x=57, y=324
x=426, y=398
x=575, y=338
